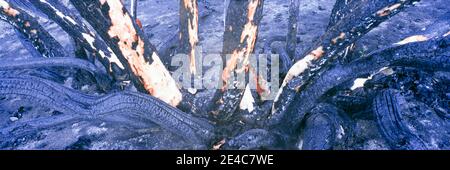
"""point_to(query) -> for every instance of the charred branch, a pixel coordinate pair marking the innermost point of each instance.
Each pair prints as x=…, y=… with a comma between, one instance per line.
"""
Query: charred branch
x=120, y=32
x=285, y=59
x=323, y=127
x=341, y=9
x=133, y=9
x=41, y=40
x=291, y=38
x=50, y=62
x=333, y=42
x=82, y=35
x=430, y=55
x=62, y=62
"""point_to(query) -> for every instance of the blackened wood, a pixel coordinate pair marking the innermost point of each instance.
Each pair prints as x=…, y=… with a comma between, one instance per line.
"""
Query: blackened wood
x=364, y=18
x=41, y=40
x=117, y=28
x=188, y=31
x=241, y=33
x=133, y=9
x=341, y=9
x=83, y=37
x=432, y=55
x=291, y=38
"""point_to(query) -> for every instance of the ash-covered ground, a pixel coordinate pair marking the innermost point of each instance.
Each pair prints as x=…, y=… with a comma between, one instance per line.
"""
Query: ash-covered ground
x=160, y=23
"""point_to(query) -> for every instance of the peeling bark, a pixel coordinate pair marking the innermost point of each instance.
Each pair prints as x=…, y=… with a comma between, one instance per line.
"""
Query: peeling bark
x=432, y=55
x=115, y=25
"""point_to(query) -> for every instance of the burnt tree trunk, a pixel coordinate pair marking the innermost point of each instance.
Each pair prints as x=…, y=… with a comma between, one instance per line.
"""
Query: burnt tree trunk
x=188, y=31
x=41, y=40
x=241, y=33
x=291, y=38
x=120, y=32
x=82, y=35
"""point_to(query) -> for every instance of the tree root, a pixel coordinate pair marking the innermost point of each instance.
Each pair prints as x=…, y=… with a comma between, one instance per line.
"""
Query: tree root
x=113, y=107
x=333, y=42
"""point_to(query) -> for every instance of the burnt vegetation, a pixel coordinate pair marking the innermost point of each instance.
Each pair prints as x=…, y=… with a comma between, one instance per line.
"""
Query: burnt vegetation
x=122, y=95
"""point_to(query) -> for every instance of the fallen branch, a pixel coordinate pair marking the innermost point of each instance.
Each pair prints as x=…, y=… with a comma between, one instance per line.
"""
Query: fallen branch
x=341, y=9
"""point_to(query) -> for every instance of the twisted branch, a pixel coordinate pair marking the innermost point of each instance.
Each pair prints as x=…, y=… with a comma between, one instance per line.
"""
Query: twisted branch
x=113, y=107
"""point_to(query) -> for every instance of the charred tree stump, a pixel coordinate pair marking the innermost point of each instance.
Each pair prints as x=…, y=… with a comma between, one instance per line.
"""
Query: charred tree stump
x=120, y=32
x=82, y=35
x=240, y=37
x=41, y=40
x=188, y=30
x=291, y=38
